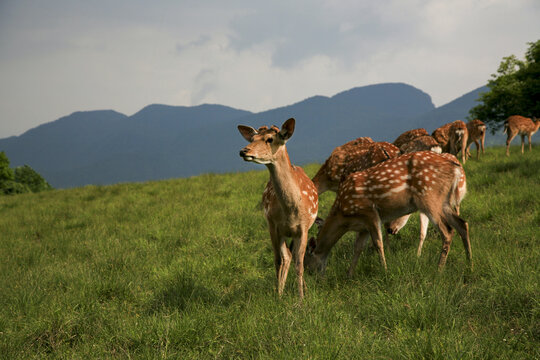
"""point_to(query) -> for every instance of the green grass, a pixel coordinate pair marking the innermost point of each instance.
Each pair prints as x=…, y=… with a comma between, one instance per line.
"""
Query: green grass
x=183, y=269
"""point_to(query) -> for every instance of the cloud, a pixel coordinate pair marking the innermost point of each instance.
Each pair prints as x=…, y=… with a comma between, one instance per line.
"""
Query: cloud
x=61, y=56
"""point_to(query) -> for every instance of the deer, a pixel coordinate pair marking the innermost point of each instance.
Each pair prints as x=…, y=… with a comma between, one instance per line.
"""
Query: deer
x=453, y=138
x=420, y=181
x=290, y=199
x=477, y=134
x=356, y=155
x=421, y=143
x=408, y=136
x=521, y=125
x=416, y=140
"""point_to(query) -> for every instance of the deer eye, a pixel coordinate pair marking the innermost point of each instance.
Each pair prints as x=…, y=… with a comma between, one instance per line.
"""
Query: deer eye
x=269, y=140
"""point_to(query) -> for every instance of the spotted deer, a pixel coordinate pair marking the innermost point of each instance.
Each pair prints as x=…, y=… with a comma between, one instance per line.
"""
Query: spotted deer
x=290, y=199
x=421, y=143
x=477, y=134
x=356, y=155
x=353, y=156
x=408, y=136
x=416, y=140
x=515, y=125
x=420, y=181
x=453, y=138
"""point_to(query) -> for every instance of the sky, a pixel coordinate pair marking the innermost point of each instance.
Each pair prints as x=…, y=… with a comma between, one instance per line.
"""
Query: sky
x=62, y=56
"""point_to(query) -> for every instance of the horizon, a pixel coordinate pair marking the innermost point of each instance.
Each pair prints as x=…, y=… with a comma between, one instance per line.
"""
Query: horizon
x=252, y=112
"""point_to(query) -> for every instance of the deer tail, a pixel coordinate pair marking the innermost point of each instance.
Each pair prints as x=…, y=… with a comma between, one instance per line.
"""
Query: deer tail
x=456, y=193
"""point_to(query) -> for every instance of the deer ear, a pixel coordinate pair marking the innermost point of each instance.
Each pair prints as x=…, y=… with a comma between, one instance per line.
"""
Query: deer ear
x=287, y=129
x=247, y=132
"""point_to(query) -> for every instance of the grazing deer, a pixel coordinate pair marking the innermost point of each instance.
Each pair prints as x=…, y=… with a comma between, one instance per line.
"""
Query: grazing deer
x=290, y=199
x=421, y=181
x=515, y=125
x=453, y=138
x=408, y=136
x=421, y=143
x=356, y=155
x=477, y=134
x=353, y=156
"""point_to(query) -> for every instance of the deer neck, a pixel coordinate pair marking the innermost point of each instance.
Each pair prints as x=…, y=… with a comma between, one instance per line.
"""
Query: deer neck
x=284, y=181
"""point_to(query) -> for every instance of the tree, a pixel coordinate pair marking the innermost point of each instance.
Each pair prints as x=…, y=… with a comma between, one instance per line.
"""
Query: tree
x=27, y=176
x=24, y=179
x=513, y=90
x=6, y=173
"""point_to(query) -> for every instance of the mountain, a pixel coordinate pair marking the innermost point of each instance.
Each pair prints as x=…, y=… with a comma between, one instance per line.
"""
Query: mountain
x=455, y=110
x=104, y=147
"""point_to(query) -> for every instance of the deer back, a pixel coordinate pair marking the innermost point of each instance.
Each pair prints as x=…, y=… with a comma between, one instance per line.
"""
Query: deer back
x=421, y=143
x=408, y=136
x=333, y=169
x=401, y=185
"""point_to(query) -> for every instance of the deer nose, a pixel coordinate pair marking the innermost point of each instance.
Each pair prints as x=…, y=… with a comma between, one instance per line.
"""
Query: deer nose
x=243, y=152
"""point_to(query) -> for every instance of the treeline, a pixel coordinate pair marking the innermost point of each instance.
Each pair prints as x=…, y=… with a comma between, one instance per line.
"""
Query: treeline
x=513, y=90
x=22, y=179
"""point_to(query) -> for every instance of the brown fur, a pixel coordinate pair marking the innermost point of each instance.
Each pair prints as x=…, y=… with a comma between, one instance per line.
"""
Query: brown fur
x=421, y=143
x=408, y=136
x=453, y=138
x=421, y=181
x=290, y=199
x=477, y=134
x=523, y=126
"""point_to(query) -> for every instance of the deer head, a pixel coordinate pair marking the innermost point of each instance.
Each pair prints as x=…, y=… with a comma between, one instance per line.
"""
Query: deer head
x=266, y=144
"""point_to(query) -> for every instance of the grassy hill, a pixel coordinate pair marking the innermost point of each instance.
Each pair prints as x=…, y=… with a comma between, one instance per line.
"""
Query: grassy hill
x=183, y=269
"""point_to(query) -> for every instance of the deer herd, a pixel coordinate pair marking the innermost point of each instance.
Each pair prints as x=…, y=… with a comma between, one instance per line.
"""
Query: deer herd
x=376, y=184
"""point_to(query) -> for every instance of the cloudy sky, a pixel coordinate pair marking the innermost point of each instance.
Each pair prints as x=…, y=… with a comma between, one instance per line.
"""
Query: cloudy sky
x=61, y=56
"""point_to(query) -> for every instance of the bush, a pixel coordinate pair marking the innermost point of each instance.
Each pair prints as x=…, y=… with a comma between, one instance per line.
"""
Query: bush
x=23, y=179
x=27, y=176
x=12, y=187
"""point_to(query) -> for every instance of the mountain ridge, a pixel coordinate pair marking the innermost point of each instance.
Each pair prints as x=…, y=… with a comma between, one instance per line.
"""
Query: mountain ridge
x=164, y=141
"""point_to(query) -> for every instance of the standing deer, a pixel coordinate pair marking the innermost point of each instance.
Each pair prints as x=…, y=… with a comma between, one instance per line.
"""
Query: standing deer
x=477, y=134
x=515, y=125
x=453, y=138
x=421, y=181
x=290, y=199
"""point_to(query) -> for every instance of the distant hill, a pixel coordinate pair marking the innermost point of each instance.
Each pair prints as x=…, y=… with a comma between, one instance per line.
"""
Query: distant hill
x=158, y=142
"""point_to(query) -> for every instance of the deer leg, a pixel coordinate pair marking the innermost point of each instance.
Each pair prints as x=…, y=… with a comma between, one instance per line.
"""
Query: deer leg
x=446, y=235
x=529, y=137
x=463, y=229
x=522, y=143
x=424, y=222
x=359, y=246
x=374, y=227
x=482, y=141
x=508, y=141
x=299, y=251
x=468, y=150
x=285, y=256
x=282, y=257
x=464, y=139
x=436, y=216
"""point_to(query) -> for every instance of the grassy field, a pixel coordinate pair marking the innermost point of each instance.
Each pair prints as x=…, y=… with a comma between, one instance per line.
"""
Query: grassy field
x=183, y=269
